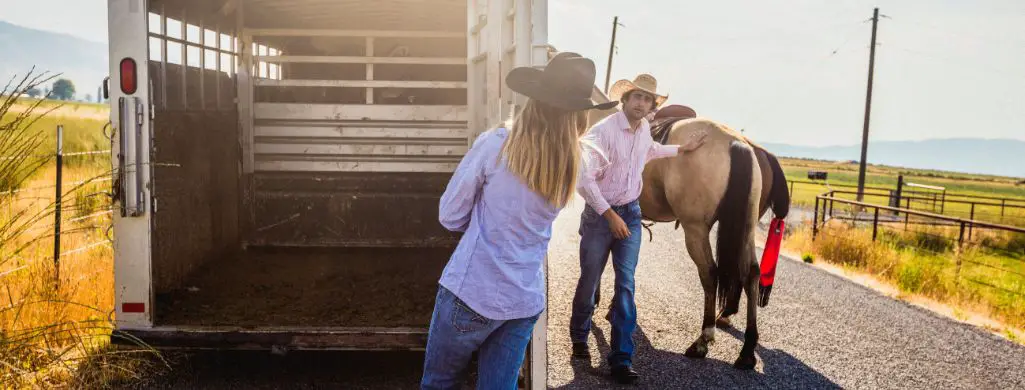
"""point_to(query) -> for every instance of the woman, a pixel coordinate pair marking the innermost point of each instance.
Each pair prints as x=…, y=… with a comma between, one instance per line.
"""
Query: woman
x=504, y=196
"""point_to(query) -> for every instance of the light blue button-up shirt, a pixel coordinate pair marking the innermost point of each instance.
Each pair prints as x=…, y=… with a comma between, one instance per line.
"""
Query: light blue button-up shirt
x=498, y=266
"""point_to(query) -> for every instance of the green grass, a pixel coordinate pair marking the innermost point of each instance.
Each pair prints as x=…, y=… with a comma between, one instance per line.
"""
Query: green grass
x=846, y=174
x=48, y=104
x=80, y=134
x=886, y=177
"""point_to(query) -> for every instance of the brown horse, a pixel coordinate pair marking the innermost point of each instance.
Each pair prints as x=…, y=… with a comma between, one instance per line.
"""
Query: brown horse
x=774, y=184
x=716, y=183
x=720, y=182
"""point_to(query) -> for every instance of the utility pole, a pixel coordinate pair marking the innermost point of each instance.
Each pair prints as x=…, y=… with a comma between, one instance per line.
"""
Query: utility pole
x=868, y=108
x=612, y=51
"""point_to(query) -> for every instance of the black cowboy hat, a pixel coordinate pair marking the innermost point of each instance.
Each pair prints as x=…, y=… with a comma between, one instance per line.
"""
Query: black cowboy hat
x=566, y=82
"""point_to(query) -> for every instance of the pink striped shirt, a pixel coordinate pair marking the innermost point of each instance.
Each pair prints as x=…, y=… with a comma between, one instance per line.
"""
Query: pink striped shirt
x=613, y=177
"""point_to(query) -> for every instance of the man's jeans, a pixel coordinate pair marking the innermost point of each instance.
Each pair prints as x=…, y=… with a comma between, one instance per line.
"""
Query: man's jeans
x=596, y=242
x=457, y=332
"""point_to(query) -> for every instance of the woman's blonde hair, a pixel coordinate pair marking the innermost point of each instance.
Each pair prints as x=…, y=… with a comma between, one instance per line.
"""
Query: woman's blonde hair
x=543, y=149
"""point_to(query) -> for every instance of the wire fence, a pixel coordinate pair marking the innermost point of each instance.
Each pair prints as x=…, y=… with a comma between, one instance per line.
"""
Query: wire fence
x=38, y=188
x=1000, y=210
x=987, y=255
x=72, y=197
x=72, y=154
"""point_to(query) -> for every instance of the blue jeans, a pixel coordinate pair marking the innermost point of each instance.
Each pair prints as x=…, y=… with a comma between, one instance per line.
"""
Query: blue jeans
x=596, y=242
x=457, y=332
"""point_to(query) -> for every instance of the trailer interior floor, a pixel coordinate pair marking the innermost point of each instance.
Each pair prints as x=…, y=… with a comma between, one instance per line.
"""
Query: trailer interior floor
x=380, y=287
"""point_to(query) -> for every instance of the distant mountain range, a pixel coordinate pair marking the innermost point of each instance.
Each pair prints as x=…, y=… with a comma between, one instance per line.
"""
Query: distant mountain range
x=83, y=62
x=1002, y=157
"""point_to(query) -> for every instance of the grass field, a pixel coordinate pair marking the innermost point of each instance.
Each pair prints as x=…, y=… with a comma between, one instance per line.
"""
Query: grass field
x=987, y=276
x=56, y=334
x=881, y=176
x=846, y=174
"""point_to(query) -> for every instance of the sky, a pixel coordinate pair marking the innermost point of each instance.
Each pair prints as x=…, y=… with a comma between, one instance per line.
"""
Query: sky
x=790, y=71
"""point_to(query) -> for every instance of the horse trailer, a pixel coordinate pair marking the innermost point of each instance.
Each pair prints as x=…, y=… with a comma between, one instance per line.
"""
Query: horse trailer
x=278, y=164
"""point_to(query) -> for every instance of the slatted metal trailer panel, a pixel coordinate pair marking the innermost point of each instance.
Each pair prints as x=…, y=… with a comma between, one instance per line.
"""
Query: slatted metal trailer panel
x=371, y=133
x=349, y=116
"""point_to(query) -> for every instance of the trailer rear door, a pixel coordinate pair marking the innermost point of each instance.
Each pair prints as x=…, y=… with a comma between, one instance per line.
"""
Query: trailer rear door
x=130, y=114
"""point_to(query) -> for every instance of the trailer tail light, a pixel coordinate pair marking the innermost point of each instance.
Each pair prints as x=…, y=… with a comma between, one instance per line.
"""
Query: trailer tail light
x=129, y=78
x=133, y=307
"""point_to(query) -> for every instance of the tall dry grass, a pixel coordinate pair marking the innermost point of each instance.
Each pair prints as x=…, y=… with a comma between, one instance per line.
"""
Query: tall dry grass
x=985, y=279
x=54, y=330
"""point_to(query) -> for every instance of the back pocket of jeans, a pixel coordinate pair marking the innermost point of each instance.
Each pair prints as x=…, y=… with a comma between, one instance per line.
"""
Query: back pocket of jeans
x=466, y=320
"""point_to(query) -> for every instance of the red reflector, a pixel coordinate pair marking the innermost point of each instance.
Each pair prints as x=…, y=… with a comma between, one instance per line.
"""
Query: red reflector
x=129, y=79
x=133, y=307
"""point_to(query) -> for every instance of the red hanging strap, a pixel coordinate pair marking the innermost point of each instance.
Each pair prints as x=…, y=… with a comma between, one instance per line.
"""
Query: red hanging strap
x=770, y=256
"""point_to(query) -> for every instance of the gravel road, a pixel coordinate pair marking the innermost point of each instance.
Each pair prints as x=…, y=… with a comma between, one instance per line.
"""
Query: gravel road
x=819, y=331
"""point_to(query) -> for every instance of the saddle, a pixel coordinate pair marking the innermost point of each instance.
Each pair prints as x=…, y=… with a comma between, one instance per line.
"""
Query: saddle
x=660, y=128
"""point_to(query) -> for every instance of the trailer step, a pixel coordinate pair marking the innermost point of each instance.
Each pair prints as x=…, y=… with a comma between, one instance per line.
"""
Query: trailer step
x=291, y=338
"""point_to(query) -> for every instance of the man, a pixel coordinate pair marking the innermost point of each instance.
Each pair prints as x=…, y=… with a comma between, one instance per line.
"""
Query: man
x=611, y=222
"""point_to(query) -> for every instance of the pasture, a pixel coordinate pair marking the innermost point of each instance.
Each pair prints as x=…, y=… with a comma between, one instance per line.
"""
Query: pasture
x=961, y=189
x=985, y=276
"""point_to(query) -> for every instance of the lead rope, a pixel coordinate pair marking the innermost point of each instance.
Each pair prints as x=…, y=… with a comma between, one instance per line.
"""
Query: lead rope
x=647, y=226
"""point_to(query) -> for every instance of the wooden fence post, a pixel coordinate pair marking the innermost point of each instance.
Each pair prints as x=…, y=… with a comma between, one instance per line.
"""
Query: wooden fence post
x=943, y=201
x=898, y=193
x=1003, y=204
x=971, y=227
x=907, y=218
x=875, y=225
x=959, y=251
x=815, y=220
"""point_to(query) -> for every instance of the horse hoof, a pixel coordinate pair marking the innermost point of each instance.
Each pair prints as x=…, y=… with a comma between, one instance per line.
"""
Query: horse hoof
x=696, y=351
x=745, y=363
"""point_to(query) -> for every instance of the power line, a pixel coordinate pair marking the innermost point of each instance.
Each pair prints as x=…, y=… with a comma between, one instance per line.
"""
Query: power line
x=950, y=60
x=814, y=68
x=963, y=35
x=762, y=34
x=848, y=39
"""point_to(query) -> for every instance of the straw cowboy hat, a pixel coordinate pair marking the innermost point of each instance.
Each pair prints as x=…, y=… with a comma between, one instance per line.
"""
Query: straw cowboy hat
x=643, y=82
x=566, y=82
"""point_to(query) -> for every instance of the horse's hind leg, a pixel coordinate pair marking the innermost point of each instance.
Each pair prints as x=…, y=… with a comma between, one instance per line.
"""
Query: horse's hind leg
x=747, y=359
x=700, y=250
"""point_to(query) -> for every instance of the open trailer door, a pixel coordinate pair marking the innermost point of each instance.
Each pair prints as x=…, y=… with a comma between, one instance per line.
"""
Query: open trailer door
x=130, y=115
x=504, y=34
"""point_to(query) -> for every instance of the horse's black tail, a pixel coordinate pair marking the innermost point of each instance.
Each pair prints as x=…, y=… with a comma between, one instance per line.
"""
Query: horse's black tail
x=734, y=225
x=779, y=195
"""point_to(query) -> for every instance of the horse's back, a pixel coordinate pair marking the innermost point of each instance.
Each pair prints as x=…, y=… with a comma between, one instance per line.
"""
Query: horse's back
x=691, y=186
